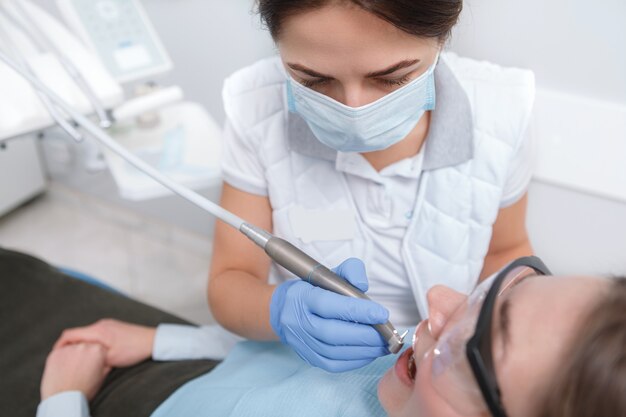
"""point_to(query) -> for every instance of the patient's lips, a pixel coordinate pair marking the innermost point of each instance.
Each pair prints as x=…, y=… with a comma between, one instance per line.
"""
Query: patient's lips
x=402, y=367
x=407, y=363
x=422, y=342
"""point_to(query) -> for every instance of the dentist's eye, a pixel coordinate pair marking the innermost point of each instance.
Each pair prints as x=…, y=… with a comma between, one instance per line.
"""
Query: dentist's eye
x=313, y=83
x=396, y=82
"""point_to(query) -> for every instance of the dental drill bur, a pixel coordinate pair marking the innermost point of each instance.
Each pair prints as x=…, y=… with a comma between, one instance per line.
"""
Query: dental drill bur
x=279, y=250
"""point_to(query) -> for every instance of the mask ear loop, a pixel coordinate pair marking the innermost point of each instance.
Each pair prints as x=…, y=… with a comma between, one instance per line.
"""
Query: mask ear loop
x=438, y=57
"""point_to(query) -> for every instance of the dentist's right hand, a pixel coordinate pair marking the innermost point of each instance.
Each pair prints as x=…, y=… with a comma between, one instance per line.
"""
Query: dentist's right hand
x=328, y=330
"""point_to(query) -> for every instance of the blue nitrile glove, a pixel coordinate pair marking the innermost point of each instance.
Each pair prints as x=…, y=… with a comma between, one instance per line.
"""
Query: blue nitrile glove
x=328, y=330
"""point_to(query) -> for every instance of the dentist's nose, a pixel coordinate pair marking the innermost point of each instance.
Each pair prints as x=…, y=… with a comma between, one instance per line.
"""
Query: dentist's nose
x=357, y=93
x=353, y=96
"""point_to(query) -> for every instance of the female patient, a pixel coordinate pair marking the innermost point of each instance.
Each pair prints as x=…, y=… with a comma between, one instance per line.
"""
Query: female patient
x=521, y=344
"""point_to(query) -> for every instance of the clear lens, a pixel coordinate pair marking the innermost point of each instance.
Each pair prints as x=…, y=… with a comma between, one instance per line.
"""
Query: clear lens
x=452, y=375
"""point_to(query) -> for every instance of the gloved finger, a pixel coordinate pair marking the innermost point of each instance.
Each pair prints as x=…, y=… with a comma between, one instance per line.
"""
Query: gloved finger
x=304, y=349
x=353, y=271
x=348, y=353
x=337, y=366
x=329, y=305
x=344, y=353
x=345, y=366
x=341, y=366
x=343, y=333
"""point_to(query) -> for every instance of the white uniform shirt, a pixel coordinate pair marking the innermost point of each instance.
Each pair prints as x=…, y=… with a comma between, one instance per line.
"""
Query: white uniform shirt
x=385, y=201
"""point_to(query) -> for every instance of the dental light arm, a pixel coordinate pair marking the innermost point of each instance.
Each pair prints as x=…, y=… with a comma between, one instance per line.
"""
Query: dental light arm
x=279, y=250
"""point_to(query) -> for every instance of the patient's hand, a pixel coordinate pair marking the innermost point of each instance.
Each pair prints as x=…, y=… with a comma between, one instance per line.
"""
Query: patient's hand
x=126, y=344
x=80, y=367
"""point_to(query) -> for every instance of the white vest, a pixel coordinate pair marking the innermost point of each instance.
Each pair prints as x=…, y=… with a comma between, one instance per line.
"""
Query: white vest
x=477, y=126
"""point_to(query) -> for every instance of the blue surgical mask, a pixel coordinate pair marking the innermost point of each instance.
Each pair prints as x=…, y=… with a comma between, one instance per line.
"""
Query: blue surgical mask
x=368, y=128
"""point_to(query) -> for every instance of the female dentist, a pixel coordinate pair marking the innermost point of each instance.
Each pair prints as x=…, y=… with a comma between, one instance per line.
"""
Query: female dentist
x=364, y=139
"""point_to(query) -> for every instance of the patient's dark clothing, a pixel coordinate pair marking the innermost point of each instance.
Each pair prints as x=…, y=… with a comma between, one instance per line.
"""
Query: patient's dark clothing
x=37, y=303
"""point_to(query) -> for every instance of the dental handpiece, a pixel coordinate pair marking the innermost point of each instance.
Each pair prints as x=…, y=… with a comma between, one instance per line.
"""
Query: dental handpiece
x=308, y=269
x=282, y=252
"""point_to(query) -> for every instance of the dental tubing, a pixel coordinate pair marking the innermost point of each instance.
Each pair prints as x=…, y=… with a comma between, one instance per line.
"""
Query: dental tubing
x=279, y=250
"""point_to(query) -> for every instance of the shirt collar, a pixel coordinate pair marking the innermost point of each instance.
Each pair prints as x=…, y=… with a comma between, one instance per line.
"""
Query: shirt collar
x=355, y=164
x=450, y=139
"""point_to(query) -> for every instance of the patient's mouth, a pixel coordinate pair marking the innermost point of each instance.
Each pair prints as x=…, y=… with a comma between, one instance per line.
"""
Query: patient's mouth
x=402, y=368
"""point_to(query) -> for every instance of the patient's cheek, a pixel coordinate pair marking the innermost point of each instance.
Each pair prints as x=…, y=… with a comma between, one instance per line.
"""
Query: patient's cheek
x=392, y=394
x=425, y=401
x=421, y=399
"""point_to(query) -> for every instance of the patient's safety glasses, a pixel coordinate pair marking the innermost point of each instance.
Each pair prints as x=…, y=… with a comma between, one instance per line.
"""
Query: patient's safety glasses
x=463, y=371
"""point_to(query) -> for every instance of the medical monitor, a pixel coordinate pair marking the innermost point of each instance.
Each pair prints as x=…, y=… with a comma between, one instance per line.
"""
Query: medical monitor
x=120, y=32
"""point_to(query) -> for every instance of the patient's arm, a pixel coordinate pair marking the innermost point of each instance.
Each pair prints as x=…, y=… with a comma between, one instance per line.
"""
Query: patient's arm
x=126, y=344
x=73, y=375
x=83, y=356
x=80, y=367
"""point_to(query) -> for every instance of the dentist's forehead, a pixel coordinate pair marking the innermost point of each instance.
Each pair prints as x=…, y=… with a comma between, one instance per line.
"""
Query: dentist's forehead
x=336, y=37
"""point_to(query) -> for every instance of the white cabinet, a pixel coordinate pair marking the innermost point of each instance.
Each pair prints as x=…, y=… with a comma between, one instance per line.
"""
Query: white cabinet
x=21, y=174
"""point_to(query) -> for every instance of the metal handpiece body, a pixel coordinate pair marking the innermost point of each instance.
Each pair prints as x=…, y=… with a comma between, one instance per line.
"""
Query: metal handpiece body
x=311, y=271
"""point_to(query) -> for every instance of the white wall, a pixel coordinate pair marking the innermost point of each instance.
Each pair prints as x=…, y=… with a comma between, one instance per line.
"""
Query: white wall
x=577, y=46
x=208, y=40
x=577, y=49
x=576, y=233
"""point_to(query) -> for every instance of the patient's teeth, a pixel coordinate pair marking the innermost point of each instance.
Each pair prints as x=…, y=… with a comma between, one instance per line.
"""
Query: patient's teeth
x=412, y=368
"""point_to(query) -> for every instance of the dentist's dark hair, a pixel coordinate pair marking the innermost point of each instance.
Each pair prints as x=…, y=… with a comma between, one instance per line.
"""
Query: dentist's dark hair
x=422, y=18
x=592, y=379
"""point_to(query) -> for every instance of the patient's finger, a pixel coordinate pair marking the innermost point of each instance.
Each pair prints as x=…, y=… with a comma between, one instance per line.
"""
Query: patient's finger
x=80, y=334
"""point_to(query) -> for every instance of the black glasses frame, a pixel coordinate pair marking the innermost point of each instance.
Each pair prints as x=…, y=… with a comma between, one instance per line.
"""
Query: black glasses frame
x=479, y=347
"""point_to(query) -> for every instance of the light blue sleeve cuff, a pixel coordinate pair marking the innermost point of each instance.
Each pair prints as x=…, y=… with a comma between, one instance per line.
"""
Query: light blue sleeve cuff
x=65, y=404
x=175, y=342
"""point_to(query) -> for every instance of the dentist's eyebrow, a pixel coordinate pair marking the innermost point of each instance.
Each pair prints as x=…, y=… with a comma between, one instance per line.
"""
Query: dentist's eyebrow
x=387, y=71
x=308, y=71
x=395, y=67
